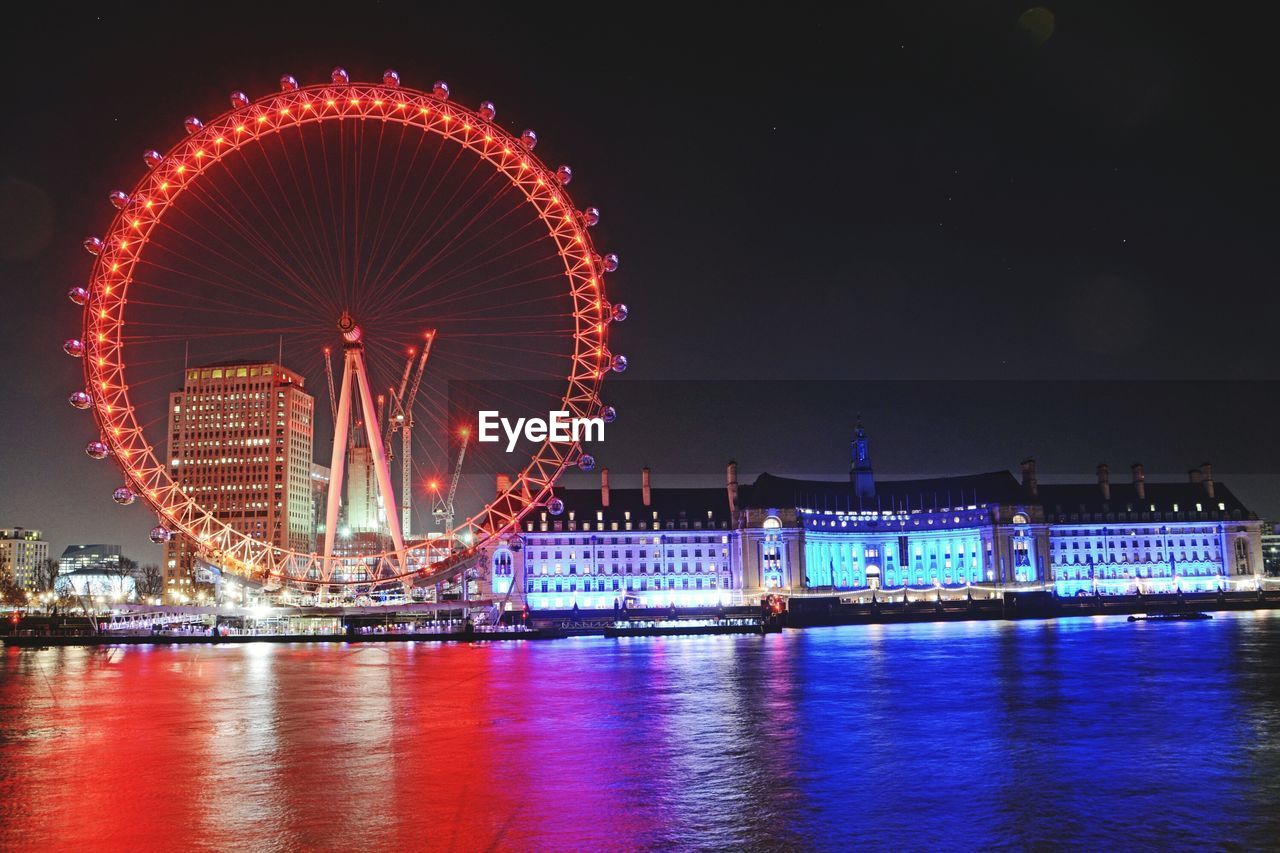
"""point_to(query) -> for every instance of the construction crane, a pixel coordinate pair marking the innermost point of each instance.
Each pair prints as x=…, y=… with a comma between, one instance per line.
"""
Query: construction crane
x=442, y=505
x=333, y=397
x=400, y=419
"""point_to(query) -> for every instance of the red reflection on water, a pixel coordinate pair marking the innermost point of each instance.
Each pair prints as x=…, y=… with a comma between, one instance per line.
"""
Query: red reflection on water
x=387, y=746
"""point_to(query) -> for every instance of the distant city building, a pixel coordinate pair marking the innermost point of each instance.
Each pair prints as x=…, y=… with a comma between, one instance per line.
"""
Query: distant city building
x=81, y=557
x=319, y=496
x=362, y=508
x=240, y=444
x=1271, y=549
x=22, y=552
x=990, y=532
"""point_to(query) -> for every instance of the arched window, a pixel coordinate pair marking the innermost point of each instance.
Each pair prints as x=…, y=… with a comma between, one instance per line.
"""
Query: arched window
x=772, y=523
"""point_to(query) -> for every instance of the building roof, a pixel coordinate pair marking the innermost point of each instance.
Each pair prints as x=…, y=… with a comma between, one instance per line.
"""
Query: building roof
x=930, y=494
x=992, y=487
x=100, y=548
x=668, y=503
x=1087, y=499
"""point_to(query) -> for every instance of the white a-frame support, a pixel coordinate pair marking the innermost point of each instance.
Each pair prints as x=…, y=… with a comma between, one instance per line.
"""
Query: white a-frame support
x=355, y=379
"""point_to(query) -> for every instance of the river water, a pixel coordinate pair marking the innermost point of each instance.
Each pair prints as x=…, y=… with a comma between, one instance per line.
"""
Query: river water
x=1080, y=732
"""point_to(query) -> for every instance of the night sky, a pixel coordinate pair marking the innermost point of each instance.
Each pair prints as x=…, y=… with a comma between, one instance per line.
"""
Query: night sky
x=993, y=230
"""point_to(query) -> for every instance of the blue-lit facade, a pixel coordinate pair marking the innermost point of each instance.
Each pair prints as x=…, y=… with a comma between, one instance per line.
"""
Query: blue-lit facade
x=976, y=534
x=888, y=550
x=1151, y=538
x=641, y=562
x=943, y=534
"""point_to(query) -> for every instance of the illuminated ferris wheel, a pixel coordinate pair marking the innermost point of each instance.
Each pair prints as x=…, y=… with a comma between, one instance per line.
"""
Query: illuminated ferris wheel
x=373, y=219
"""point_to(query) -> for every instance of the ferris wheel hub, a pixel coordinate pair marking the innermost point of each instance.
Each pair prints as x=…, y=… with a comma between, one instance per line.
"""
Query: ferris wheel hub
x=351, y=333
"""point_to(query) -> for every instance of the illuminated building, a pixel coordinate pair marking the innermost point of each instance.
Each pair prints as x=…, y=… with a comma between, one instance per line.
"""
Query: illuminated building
x=1151, y=537
x=77, y=558
x=989, y=532
x=363, y=509
x=647, y=547
x=1271, y=550
x=114, y=586
x=240, y=444
x=21, y=553
x=319, y=494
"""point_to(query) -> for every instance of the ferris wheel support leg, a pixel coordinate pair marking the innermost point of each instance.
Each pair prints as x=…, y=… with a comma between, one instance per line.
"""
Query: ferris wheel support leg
x=337, y=464
x=379, y=452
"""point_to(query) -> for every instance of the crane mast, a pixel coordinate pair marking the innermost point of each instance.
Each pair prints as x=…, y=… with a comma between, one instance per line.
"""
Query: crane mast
x=400, y=419
x=442, y=509
x=328, y=374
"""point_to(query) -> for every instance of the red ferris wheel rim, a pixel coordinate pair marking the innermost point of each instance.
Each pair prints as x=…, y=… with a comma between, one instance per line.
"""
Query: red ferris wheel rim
x=248, y=122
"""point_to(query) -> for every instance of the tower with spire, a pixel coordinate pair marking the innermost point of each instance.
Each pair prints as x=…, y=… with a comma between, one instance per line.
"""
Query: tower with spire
x=861, y=477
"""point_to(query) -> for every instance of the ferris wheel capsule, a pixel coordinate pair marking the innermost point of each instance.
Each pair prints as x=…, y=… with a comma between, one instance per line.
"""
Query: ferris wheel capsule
x=618, y=364
x=619, y=312
x=529, y=139
x=73, y=347
x=192, y=124
x=238, y=100
x=586, y=462
x=555, y=506
x=391, y=78
x=440, y=89
x=152, y=158
x=608, y=414
x=80, y=399
x=123, y=496
x=339, y=76
x=610, y=262
x=591, y=216
x=93, y=245
x=97, y=450
x=78, y=295
x=564, y=175
x=488, y=110
x=288, y=83
x=118, y=199
x=160, y=534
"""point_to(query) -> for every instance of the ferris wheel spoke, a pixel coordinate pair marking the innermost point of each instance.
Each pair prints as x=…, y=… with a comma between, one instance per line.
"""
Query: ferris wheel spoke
x=212, y=277
x=311, y=204
x=311, y=261
x=227, y=211
x=408, y=281
x=218, y=307
x=472, y=234
x=409, y=218
x=432, y=230
x=248, y=271
x=391, y=202
x=487, y=288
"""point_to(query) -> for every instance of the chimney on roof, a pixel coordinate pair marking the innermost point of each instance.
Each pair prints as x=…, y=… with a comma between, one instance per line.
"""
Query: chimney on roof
x=1206, y=476
x=604, y=487
x=1193, y=476
x=644, y=485
x=503, y=482
x=1104, y=480
x=731, y=482
x=1029, y=484
x=1139, y=480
